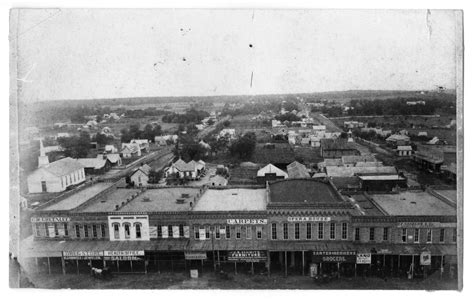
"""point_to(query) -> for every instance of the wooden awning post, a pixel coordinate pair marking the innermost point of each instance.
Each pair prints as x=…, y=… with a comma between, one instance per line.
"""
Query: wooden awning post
x=441, y=267
x=63, y=265
x=302, y=262
x=37, y=265
x=355, y=270
x=77, y=266
x=268, y=263
x=286, y=264
x=49, y=266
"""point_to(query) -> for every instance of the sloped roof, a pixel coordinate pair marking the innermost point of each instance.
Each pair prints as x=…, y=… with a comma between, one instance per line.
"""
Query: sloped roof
x=271, y=169
x=332, y=162
x=404, y=148
x=397, y=137
x=64, y=166
x=218, y=180
x=297, y=170
x=92, y=163
x=351, y=159
x=113, y=157
x=351, y=171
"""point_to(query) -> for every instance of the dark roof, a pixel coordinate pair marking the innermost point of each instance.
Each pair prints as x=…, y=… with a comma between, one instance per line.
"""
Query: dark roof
x=281, y=154
x=346, y=182
x=335, y=144
x=303, y=191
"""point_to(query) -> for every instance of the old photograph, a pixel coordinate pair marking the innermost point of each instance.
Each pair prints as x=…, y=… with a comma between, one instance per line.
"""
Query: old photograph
x=256, y=149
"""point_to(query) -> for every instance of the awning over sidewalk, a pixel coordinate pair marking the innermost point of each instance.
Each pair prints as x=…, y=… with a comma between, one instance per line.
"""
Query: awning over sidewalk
x=31, y=248
x=406, y=249
x=310, y=246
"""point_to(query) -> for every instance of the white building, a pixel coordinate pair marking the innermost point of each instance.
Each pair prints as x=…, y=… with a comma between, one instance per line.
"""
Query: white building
x=404, y=150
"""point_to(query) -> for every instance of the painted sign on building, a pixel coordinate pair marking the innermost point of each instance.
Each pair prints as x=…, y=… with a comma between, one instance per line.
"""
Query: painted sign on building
x=425, y=258
x=424, y=224
x=124, y=255
x=195, y=255
x=247, y=255
x=83, y=255
x=364, y=258
x=50, y=219
x=334, y=256
x=153, y=232
x=246, y=221
x=309, y=219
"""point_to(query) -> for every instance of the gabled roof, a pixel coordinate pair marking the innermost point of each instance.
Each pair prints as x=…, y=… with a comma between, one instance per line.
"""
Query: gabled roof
x=112, y=157
x=271, y=169
x=297, y=170
x=92, y=163
x=64, y=166
x=397, y=137
x=351, y=159
x=404, y=148
x=145, y=169
x=351, y=171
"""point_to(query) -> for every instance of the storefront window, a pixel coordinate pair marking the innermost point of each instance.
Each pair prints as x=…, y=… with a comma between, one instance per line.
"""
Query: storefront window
x=332, y=231
x=308, y=231
x=441, y=235
x=285, y=231
x=417, y=235
x=138, y=231
x=344, y=231
x=126, y=227
x=274, y=231
x=385, y=233
x=372, y=234
x=259, y=232
x=320, y=231
x=357, y=234
x=429, y=236
x=37, y=229
x=297, y=231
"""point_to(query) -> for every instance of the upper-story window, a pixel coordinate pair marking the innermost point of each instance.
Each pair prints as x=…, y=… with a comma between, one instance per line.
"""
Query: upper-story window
x=320, y=231
x=170, y=231
x=416, y=237
x=371, y=233
x=285, y=231
x=404, y=235
x=248, y=232
x=332, y=231
x=37, y=229
x=274, y=231
x=297, y=231
x=429, y=236
x=126, y=227
x=56, y=231
x=218, y=233
x=116, y=231
x=357, y=234
x=385, y=234
x=441, y=235
x=86, y=231
x=308, y=231
x=259, y=230
x=455, y=237
x=238, y=232
x=66, y=232
x=102, y=230
x=138, y=231
x=208, y=233
x=344, y=231
x=227, y=232
x=94, y=231
x=196, y=232
x=78, y=231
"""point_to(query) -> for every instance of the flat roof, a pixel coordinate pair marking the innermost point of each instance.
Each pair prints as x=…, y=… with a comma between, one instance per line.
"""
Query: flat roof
x=79, y=197
x=382, y=177
x=107, y=202
x=163, y=199
x=413, y=204
x=232, y=200
x=302, y=191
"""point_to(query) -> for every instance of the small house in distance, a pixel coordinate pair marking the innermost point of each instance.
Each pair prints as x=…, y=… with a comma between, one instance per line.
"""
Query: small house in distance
x=270, y=173
x=404, y=151
x=94, y=166
x=336, y=148
x=130, y=150
x=398, y=140
x=141, y=176
x=190, y=170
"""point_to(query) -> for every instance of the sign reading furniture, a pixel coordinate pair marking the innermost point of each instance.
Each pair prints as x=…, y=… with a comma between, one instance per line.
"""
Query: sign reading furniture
x=247, y=256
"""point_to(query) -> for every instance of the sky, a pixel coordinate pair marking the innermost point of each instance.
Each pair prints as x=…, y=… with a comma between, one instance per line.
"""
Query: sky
x=114, y=53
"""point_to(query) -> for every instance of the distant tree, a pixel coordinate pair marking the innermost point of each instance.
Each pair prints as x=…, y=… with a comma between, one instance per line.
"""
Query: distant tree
x=343, y=135
x=210, y=122
x=226, y=123
x=103, y=139
x=76, y=146
x=291, y=117
x=244, y=146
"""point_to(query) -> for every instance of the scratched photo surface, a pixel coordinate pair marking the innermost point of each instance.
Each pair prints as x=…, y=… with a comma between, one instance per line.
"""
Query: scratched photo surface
x=236, y=149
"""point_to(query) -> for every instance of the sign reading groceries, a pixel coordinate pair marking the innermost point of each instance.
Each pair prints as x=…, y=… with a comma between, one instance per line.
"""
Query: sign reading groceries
x=334, y=256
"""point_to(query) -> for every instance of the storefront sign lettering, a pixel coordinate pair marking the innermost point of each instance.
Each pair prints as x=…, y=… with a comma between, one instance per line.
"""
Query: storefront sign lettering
x=334, y=256
x=83, y=255
x=309, y=219
x=247, y=255
x=364, y=258
x=50, y=219
x=195, y=255
x=125, y=253
x=246, y=221
x=424, y=224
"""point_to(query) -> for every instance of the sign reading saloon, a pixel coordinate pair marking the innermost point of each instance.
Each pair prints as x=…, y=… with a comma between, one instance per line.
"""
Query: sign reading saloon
x=50, y=219
x=309, y=219
x=334, y=256
x=246, y=221
x=124, y=255
x=247, y=256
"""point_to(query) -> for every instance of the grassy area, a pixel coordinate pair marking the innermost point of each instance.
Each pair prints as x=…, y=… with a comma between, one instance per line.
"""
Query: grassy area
x=239, y=281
